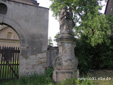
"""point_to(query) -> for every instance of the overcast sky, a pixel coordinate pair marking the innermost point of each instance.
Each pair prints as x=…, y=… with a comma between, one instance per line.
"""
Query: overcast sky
x=53, y=23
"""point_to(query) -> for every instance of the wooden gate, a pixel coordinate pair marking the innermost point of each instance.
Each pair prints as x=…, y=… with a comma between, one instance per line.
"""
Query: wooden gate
x=9, y=63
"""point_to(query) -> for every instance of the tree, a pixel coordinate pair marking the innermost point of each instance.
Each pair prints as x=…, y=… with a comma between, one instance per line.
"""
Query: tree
x=50, y=41
x=87, y=18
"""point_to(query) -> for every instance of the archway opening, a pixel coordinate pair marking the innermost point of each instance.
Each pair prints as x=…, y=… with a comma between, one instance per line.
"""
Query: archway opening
x=3, y=8
x=8, y=36
x=9, y=53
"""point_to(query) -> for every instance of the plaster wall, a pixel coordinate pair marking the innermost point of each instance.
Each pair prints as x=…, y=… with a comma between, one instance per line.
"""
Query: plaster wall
x=31, y=24
x=109, y=8
x=4, y=33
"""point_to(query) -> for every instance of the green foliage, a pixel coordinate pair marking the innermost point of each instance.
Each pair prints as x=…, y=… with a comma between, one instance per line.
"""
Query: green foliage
x=97, y=57
x=44, y=80
x=49, y=72
x=83, y=52
x=93, y=24
x=96, y=29
x=94, y=47
x=56, y=36
x=75, y=82
x=50, y=41
x=30, y=80
x=7, y=69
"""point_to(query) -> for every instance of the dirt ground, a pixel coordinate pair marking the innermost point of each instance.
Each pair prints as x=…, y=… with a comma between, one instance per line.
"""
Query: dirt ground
x=101, y=73
x=101, y=77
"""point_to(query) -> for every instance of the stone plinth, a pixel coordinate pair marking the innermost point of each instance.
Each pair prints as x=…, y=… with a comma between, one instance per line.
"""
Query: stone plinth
x=35, y=64
x=65, y=64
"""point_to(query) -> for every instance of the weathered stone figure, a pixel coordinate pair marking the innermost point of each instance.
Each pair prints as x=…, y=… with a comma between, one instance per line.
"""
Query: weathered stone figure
x=65, y=63
x=66, y=21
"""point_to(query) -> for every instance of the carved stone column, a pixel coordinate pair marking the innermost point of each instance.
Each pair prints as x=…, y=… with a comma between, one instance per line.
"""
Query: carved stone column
x=65, y=64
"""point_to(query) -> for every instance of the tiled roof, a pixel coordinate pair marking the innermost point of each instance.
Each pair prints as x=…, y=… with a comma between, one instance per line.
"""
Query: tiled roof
x=3, y=28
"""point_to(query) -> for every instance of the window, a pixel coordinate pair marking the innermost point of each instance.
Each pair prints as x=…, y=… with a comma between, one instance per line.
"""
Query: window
x=3, y=8
x=9, y=35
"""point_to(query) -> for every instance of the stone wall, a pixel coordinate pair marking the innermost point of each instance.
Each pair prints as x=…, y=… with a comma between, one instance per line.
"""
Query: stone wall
x=31, y=24
x=9, y=43
x=30, y=2
x=52, y=52
x=33, y=64
x=109, y=8
x=11, y=40
x=4, y=33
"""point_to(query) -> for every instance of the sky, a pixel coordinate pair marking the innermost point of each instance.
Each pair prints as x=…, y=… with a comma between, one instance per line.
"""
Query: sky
x=53, y=25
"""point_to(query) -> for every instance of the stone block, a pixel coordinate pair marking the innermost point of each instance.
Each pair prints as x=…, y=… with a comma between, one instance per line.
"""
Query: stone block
x=33, y=64
x=60, y=75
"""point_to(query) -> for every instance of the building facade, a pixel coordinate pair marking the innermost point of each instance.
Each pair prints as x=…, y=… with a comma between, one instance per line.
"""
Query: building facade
x=109, y=8
x=30, y=21
x=8, y=37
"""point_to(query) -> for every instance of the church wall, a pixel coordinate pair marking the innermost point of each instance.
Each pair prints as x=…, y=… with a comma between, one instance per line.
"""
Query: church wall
x=9, y=40
x=31, y=24
x=4, y=32
x=109, y=8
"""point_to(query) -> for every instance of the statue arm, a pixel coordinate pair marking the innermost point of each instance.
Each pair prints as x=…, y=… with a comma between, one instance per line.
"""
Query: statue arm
x=62, y=15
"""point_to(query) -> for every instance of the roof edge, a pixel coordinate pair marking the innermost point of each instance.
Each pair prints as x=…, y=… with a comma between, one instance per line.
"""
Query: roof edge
x=3, y=28
x=106, y=7
x=29, y=2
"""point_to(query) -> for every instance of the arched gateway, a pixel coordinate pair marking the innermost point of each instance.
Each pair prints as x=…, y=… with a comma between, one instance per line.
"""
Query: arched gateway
x=30, y=21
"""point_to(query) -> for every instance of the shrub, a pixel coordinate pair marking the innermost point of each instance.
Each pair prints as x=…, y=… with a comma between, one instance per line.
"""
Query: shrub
x=97, y=57
x=49, y=72
x=75, y=82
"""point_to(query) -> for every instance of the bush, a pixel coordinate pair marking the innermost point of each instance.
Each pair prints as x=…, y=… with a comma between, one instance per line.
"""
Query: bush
x=97, y=57
x=49, y=72
x=75, y=82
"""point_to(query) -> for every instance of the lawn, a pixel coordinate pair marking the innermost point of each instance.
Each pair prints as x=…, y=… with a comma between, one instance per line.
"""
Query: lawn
x=29, y=80
x=9, y=70
x=103, y=77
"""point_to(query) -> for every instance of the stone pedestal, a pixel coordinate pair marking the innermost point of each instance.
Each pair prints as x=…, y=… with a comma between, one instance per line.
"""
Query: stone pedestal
x=65, y=64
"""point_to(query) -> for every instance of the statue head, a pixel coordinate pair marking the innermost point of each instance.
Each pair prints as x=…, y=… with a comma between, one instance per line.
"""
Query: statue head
x=64, y=8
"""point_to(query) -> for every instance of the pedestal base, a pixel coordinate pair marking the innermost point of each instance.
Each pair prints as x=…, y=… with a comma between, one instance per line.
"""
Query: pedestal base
x=60, y=75
x=65, y=63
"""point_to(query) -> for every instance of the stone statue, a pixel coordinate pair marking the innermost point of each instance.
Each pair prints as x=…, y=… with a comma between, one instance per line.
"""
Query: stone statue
x=65, y=63
x=66, y=20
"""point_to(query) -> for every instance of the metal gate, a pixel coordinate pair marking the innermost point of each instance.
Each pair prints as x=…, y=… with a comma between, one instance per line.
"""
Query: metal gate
x=9, y=63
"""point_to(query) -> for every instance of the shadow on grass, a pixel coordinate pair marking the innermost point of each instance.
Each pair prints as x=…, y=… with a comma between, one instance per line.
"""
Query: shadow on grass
x=29, y=80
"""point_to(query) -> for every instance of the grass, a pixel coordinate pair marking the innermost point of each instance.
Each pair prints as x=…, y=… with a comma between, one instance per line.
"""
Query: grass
x=30, y=80
x=103, y=77
x=45, y=79
x=103, y=82
x=7, y=70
